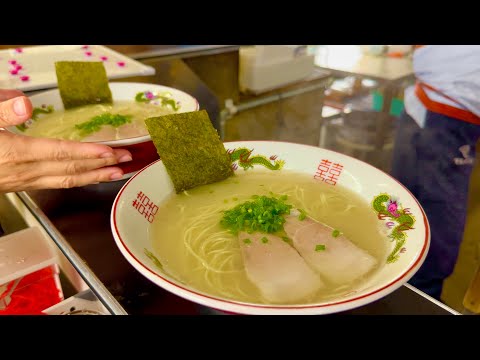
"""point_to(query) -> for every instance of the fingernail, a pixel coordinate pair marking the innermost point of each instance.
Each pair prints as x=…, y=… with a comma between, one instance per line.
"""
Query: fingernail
x=107, y=155
x=125, y=158
x=19, y=107
x=116, y=176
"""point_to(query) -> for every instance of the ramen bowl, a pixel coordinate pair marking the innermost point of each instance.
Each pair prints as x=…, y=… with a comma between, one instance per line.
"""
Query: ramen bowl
x=141, y=147
x=398, y=219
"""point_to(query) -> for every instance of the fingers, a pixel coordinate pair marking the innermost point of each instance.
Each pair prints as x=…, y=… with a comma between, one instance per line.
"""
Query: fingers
x=15, y=111
x=29, y=149
x=59, y=174
x=70, y=181
x=122, y=155
x=63, y=168
x=6, y=94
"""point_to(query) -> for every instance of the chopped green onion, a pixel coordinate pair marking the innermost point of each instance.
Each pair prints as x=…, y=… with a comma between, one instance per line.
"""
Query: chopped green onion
x=302, y=215
x=320, y=247
x=286, y=239
x=264, y=240
x=262, y=214
x=336, y=233
x=247, y=241
x=96, y=123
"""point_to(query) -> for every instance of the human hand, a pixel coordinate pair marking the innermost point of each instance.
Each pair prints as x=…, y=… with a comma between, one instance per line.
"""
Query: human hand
x=28, y=163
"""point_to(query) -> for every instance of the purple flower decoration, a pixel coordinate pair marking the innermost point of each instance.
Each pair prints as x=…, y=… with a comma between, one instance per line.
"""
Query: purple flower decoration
x=121, y=64
x=85, y=47
x=392, y=207
x=12, y=62
x=18, y=67
x=88, y=53
x=103, y=58
x=19, y=50
x=25, y=78
x=149, y=95
x=13, y=72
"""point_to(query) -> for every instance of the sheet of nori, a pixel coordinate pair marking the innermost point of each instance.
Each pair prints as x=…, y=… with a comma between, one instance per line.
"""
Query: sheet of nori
x=190, y=149
x=82, y=83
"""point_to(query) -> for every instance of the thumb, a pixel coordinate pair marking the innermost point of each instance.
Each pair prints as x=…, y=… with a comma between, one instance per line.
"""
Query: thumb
x=15, y=111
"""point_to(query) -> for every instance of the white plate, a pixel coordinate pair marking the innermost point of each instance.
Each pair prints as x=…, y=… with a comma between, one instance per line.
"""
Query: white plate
x=38, y=64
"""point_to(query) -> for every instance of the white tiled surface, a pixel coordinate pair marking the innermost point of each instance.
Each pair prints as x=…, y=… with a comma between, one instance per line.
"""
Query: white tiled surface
x=38, y=63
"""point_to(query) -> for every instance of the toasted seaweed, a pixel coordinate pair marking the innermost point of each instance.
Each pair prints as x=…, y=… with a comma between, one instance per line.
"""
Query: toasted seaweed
x=82, y=83
x=190, y=149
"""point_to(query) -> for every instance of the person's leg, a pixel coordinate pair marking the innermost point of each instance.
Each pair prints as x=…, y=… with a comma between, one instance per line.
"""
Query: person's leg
x=444, y=150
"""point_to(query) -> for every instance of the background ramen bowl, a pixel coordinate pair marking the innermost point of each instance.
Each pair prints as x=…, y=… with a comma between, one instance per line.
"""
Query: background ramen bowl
x=142, y=148
x=130, y=225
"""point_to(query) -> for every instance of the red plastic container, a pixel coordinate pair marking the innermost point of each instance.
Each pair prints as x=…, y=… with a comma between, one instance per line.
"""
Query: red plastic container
x=32, y=293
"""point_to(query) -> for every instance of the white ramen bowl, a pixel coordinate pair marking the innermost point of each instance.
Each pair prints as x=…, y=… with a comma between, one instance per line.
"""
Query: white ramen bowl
x=133, y=211
x=142, y=148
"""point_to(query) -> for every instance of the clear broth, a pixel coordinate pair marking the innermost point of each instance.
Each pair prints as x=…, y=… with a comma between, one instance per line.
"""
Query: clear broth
x=194, y=249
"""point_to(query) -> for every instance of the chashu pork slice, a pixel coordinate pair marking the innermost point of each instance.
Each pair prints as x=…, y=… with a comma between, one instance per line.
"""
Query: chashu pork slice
x=336, y=258
x=277, y=269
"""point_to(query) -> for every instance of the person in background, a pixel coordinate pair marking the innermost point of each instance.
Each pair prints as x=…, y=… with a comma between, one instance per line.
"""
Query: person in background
x=28, y=163
x=435, y=149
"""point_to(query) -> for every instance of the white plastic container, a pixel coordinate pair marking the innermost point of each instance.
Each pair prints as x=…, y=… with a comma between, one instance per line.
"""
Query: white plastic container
x=264, y=68
x=23, y=253
x=28, y=263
